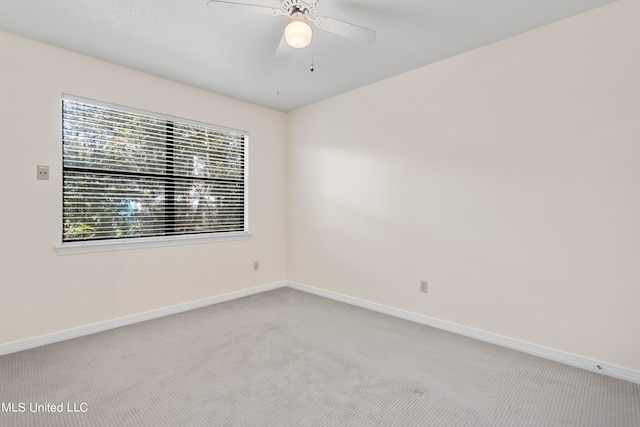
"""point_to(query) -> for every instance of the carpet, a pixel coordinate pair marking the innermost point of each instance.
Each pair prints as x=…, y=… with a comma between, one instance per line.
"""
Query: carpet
x=288, y=358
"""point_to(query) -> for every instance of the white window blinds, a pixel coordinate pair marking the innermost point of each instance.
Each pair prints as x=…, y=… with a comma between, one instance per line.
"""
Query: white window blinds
x=131, y=174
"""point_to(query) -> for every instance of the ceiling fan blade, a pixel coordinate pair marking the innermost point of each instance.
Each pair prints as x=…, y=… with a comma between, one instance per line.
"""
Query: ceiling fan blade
x=344, y=29
x=245, y=7
x=283, y=50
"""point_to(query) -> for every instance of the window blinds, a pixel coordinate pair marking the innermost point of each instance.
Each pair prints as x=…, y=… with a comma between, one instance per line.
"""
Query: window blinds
x=128, y=174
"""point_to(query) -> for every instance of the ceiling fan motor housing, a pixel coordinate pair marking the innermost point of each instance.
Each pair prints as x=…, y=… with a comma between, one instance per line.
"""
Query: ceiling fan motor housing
x=306, y=7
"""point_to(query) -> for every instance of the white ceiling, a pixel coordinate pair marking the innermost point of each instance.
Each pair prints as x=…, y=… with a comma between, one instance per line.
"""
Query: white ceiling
x=231, y=52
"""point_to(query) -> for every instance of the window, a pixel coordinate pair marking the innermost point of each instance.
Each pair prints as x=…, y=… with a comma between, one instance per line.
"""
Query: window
x=130, y=176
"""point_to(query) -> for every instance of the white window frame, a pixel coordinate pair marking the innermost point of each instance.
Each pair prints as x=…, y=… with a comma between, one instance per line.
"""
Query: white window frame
x=76, y=247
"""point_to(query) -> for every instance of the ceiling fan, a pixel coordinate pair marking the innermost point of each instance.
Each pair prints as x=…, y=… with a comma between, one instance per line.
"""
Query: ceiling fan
x=298, y=33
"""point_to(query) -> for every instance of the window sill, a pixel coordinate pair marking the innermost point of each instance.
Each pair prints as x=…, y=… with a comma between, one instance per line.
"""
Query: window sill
x=144, y=243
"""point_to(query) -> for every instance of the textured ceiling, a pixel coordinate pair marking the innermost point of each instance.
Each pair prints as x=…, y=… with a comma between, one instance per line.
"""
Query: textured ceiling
x=232, y=53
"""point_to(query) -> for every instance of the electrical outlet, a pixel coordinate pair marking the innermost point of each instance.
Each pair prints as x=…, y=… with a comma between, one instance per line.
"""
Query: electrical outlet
x=256, y=265
x=43, y=172
x=424, y=286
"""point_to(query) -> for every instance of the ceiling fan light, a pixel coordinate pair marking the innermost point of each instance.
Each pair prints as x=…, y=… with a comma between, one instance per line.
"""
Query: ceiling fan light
x=298, y=34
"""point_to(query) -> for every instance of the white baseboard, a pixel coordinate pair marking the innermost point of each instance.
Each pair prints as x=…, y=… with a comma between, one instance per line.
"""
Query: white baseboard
x=525, y=347
x=26, y=344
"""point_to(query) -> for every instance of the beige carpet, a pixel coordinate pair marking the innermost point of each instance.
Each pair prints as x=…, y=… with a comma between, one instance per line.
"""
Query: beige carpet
x=286, y=358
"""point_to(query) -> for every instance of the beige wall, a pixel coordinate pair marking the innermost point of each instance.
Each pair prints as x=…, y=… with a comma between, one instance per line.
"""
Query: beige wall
x=508, y=177
x=41, y=292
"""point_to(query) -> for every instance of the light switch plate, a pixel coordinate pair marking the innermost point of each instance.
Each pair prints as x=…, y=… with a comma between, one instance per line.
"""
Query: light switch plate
x=43, y=172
